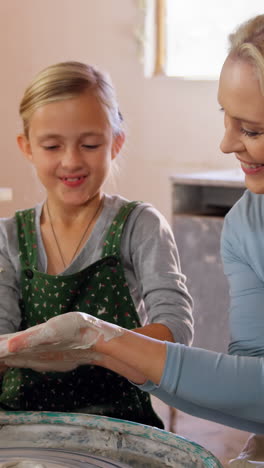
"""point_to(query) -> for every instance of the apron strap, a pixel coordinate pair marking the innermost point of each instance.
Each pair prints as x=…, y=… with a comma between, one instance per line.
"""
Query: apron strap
x=27, y=237
x=112, y=241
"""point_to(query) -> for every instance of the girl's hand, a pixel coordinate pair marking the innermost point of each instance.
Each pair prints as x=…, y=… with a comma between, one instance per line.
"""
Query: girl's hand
x=53, y=361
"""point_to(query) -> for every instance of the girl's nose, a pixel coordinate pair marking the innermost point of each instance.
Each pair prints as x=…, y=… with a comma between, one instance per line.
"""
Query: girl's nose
x=71, y=158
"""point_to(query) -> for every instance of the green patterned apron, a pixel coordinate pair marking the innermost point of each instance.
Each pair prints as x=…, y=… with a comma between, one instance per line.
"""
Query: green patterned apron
x=100, y=290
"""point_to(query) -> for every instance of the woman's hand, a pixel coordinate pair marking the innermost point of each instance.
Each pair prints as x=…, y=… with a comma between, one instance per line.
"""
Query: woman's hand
x=74, y=330
x=60, y=344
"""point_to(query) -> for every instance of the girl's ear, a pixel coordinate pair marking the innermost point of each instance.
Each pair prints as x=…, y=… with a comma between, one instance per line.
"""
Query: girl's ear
x=118, y=142
x=24, y=145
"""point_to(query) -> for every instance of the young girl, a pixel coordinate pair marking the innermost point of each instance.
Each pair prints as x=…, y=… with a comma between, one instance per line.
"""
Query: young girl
x=82, y=249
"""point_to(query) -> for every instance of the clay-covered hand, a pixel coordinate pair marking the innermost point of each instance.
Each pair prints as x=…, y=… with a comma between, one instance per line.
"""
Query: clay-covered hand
x=61, y=343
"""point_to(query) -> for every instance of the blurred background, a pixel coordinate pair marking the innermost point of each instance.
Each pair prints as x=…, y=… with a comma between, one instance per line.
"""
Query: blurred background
x=171, y=124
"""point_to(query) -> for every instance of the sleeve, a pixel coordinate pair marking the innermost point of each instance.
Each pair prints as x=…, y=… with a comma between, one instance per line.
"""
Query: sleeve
x=241, y=250
x=10, y=316
x=214, y=386
x=227, y=389
x=160, y=282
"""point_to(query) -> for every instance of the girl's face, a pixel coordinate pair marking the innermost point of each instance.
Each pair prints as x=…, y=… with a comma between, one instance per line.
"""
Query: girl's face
x=240, y=98
x=71, y=144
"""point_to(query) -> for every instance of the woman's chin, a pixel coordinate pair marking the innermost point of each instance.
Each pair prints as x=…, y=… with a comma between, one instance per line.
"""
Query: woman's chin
x=256, y=185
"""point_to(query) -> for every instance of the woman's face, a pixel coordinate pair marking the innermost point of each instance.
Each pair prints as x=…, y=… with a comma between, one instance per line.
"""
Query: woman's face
x=240, y=97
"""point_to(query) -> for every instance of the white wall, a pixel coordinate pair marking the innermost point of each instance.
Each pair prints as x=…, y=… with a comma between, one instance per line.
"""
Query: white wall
x=171, y=123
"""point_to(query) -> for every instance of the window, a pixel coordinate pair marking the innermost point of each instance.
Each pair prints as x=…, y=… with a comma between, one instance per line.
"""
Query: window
x=190, y=37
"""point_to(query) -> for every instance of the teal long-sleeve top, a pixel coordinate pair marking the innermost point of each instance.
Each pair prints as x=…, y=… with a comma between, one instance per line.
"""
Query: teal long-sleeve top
x=228, y=388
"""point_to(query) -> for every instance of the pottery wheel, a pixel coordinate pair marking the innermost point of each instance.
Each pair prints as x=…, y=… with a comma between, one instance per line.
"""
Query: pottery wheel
x=53, y=458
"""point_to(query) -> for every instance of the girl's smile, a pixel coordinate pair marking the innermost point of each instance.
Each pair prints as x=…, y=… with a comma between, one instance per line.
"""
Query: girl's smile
x=73, y=181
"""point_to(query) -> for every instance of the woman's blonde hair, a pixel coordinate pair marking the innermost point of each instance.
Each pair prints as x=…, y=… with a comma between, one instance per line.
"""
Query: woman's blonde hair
x=247, y=43
x=67, y=80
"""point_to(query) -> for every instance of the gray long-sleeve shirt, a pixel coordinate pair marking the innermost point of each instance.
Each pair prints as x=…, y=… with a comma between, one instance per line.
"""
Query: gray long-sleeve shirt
x=149, y=256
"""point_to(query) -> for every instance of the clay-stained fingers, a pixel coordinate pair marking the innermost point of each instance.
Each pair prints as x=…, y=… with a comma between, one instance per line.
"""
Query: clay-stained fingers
x=25, y=339
x=17, y=341
x=72, y=330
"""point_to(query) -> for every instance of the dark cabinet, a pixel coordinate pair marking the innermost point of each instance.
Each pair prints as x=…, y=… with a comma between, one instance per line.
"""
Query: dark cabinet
x=198, y=214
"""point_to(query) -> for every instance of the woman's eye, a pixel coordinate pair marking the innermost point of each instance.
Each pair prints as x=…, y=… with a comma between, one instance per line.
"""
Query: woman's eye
x=250, y=133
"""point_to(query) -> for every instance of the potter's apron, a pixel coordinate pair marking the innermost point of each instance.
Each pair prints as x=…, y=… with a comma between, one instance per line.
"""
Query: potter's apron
x=100, y=290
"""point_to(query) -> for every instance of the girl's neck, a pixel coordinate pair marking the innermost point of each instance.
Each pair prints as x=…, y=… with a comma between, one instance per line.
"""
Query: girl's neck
x=65, y=233
x=70, y=215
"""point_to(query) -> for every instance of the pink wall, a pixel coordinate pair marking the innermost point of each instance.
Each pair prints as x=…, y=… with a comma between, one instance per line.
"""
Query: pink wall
x=171, y=123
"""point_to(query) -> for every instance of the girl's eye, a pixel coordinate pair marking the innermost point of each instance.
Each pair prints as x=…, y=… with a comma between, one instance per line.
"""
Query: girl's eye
x=51, y=147
x=90, y=146
x=250, y=133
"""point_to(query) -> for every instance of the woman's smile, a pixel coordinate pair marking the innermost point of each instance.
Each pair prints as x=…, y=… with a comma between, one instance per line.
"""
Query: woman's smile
x=250, y=168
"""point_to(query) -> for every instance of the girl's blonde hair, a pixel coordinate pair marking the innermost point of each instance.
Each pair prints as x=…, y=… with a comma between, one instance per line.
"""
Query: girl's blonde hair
x=67, y=80
x=247, y=43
